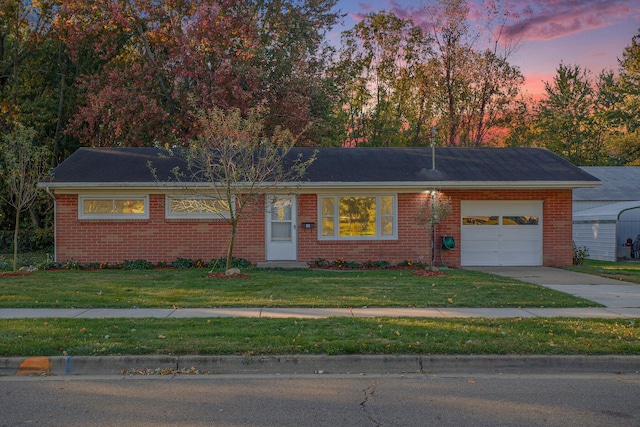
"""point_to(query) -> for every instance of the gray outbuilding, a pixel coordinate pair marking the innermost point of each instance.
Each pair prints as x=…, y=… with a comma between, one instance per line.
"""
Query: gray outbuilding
x=605, y=217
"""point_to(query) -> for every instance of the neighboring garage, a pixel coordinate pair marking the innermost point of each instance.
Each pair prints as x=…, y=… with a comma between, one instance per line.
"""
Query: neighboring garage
x=604, y=230
x=500, y=233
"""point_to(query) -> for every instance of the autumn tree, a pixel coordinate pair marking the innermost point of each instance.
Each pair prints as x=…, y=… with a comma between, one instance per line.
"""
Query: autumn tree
x=159, y=62
x=475, y=83
x=567, y=118
x=22, y=165
x=402, y=77
x=624, y=116
x=380, y=60
x=233, y=161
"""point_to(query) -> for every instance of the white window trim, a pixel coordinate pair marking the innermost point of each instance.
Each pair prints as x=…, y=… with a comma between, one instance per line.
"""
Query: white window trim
x=114, y=216
x=336, y=227
x=170, y=215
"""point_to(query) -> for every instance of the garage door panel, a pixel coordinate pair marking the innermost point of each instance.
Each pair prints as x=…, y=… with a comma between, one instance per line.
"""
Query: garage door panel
x=515, y=240
x=483, y=259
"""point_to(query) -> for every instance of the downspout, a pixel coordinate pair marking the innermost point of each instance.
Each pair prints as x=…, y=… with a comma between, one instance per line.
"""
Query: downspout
x=55, y=223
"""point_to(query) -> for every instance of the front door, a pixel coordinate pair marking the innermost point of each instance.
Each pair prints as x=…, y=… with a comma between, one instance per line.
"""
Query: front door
x=281, y=228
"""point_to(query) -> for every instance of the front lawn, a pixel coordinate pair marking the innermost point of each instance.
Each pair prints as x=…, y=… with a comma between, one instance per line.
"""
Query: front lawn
x=274, y=288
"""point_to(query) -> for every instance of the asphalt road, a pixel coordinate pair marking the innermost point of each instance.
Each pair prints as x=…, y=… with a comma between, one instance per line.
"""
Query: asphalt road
x=537, y=399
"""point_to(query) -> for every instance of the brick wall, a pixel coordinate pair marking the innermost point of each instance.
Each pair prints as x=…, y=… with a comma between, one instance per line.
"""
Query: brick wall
x=414, y=243
x=155, y=239
x=159, y=239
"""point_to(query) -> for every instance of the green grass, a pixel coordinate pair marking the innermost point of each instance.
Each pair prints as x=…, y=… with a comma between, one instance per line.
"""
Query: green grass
x=274, y=288
x=302, y=288
x=628, y=270
x=77, y=337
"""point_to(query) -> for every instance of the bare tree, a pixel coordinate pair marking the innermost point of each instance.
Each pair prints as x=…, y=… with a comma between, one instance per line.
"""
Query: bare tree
x=233, y=161
x=23, y=165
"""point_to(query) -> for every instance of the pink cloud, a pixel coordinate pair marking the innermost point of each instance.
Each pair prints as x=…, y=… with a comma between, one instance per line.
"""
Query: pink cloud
x=552, y=19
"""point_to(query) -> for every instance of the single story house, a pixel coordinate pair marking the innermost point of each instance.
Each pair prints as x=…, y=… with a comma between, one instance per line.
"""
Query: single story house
x=605, y=217
x=509, y=206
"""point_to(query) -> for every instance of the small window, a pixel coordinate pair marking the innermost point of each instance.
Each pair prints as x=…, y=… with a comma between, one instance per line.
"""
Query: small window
x=104, y=207
x=193, y=207
x=480, y=220
x=520, y=220
x=358, y=217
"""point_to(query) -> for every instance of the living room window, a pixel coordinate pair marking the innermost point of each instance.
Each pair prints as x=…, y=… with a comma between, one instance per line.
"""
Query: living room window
x=358, y=217
x=113, y=207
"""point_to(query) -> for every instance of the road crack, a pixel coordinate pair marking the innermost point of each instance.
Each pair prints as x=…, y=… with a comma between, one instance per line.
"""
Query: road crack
x=369, y=394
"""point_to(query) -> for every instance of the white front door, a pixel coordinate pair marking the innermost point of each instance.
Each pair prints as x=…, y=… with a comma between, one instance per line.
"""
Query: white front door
x=281, y=228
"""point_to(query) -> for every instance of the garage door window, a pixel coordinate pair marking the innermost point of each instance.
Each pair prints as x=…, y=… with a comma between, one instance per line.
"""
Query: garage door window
x=480, y=220
x=519, y=220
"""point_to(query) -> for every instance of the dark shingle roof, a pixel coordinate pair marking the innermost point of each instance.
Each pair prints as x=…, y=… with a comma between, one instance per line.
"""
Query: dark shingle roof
x=619, y=183
x=344, y=165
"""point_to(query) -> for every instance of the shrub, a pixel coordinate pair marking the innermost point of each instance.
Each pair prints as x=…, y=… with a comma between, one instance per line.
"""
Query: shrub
x=181, y=263
x=340, y=263
x=320, y=263
x=579, y=254
x=139, y=264
x=219, y=263
x=71, y=265
x=376, y=264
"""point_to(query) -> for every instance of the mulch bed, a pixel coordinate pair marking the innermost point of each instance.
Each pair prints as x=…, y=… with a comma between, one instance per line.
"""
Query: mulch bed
x=18, y=274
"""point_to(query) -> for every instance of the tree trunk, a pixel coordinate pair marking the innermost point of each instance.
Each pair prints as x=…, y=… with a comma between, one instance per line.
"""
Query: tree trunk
x=15, y=241
x=232, y=239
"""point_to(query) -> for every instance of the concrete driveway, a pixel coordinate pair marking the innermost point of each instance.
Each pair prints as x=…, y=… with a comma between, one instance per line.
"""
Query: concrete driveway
x=608, y=292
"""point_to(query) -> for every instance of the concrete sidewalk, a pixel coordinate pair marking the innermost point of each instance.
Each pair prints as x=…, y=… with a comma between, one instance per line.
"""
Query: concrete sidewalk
x=315, y=313
x=621, y=300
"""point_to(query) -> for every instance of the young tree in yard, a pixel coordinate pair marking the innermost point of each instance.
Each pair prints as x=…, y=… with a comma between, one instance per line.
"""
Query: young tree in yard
x=23, y=165
x=431, y=212
x=233, y=161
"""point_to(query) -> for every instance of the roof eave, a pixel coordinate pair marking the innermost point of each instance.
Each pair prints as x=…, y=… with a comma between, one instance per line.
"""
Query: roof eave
x=414, y=185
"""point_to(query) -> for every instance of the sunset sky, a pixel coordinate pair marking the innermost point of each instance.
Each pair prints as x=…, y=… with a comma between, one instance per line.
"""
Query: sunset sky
x=589, y=33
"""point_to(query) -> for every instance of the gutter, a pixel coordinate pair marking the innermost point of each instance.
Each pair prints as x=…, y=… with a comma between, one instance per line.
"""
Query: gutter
x=326, y=185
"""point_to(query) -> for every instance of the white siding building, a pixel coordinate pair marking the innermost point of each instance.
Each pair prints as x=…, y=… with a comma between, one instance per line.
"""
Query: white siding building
x=605, y=217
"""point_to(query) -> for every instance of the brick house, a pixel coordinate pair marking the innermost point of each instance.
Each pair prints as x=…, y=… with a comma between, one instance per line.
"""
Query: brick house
x=510, y=206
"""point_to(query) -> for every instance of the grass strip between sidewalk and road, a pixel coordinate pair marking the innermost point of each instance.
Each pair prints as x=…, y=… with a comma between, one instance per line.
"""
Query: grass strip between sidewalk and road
x=332, y=336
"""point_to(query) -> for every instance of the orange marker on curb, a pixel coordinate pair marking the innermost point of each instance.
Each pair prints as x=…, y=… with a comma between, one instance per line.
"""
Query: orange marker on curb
x=35, y=365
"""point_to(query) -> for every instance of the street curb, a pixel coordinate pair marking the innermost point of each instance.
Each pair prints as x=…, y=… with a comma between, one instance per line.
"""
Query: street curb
x=315, y=364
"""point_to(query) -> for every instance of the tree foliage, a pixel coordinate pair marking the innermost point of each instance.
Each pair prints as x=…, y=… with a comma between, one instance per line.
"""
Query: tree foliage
x=404, y=78
x=588, y=120
x=157, y=63
x=624, y=118
x=566, y=119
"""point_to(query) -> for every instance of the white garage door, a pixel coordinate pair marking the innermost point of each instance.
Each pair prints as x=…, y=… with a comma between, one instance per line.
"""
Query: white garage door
x=497, y=233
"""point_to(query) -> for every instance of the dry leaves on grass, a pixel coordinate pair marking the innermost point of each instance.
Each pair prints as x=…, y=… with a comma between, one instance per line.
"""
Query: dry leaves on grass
x=226, y=276
x=429, y=273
